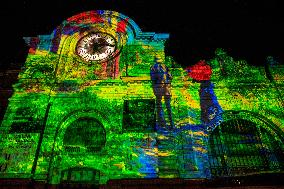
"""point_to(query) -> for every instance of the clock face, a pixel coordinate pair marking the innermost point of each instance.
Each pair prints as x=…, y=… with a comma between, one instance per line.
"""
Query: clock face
x=96, y=47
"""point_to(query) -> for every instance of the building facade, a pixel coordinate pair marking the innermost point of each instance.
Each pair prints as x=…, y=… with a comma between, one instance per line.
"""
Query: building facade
x=88, y=108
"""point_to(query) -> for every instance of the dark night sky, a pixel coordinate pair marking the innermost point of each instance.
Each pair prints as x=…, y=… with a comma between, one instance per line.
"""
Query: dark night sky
x=246, y=28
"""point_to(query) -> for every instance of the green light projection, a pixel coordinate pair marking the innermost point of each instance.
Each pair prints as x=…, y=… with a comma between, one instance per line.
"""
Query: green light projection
x=71, y=120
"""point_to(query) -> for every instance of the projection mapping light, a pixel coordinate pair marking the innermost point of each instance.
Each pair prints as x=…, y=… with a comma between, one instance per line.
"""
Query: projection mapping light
x=99, y=100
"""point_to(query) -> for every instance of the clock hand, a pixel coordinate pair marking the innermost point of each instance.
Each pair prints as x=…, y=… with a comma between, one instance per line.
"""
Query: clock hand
x=104, y=44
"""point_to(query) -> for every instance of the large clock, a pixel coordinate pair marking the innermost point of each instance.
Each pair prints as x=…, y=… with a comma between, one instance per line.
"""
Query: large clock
x=97, y=46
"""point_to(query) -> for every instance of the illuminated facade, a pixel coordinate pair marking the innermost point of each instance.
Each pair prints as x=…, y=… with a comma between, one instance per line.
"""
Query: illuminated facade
x=87, y=110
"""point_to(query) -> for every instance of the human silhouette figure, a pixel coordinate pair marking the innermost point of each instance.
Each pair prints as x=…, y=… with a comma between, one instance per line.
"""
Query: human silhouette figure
x=211, y=111
x=161, y=83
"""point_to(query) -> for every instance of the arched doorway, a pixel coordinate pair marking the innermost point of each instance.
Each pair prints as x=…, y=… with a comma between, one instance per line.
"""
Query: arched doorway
x=82, y=138
x=239, y=147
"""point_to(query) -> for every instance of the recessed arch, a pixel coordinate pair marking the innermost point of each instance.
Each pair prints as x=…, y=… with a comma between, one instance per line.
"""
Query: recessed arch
x=58, y=141
x=105, y=20
x=260, y=120
x=92, y=114
x=84, y=135
x=100, y=16
x=245, y=143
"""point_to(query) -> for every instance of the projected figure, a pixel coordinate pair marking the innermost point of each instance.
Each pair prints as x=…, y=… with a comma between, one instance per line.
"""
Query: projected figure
x=161, y=83
x=210, y=109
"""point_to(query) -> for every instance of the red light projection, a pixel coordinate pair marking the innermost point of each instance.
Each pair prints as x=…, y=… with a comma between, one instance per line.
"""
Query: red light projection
x=200, y=71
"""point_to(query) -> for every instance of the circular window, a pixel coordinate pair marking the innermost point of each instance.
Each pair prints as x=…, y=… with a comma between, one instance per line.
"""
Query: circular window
x=84, y=135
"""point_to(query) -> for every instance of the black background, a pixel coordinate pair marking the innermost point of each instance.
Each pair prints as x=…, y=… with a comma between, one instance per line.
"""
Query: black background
x=247, y=29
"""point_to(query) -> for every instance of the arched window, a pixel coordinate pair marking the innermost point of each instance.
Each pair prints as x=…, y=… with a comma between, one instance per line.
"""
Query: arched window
x=84, y=135
x=240, y=147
